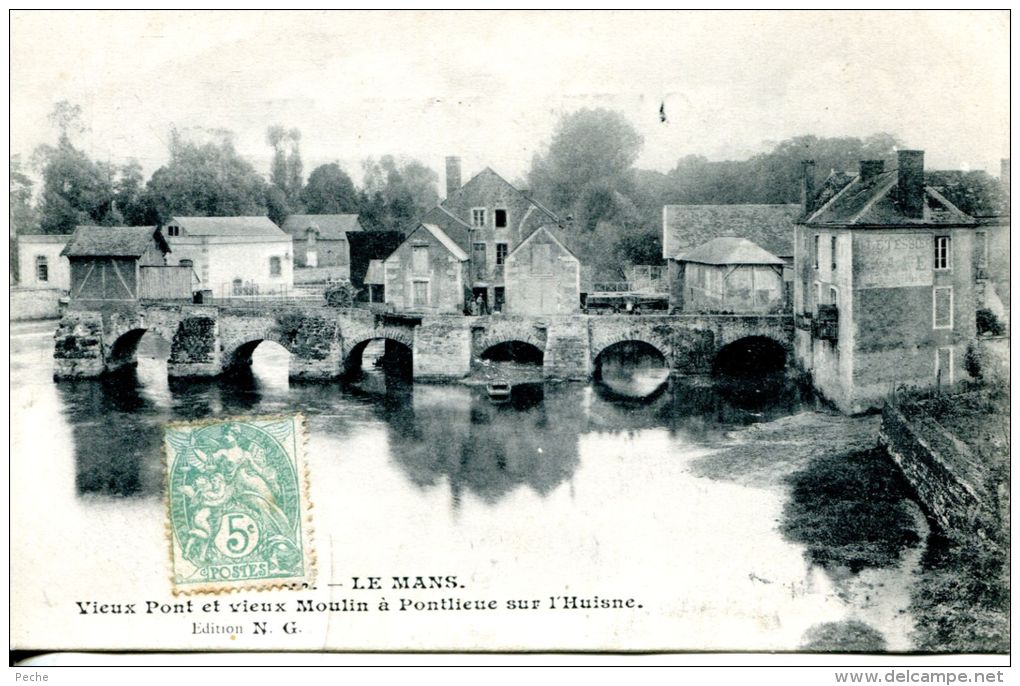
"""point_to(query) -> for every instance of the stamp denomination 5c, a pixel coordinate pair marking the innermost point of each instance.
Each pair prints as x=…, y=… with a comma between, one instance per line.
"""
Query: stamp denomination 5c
x=237, y=505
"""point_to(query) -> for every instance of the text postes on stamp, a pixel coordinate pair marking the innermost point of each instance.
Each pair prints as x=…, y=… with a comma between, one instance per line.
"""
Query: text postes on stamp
x=238, y=505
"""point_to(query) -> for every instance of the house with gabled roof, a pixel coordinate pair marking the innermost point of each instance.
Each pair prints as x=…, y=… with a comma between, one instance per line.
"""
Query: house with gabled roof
x=770, y=227
x=543, y=275
x=115, y=266
x=486, y=219
x=321, y=240
x=733, y=275
x=427, y=273
x=884, y=283
x=233, y=256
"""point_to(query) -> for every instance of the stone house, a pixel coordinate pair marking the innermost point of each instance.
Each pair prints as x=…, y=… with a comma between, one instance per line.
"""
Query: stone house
x=770, y=227
x=40, y=262
x=542, y=276
x=733, y=275
x=884, y=283
x=321, y=240
x=486, y=219
x=494, y=218
x=233, y=256
x=121, y=264
x=427, y=273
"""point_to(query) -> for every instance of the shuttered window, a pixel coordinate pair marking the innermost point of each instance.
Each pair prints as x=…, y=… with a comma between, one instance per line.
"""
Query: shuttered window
x=942, y=307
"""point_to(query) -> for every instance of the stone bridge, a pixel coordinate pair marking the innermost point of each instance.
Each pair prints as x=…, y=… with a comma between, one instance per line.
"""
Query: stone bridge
x=326, y=343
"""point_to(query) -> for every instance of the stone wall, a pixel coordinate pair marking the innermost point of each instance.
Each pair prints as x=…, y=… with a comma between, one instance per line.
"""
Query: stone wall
x=568, y=350
x=442, y=348
x=79, y=346
x=953, y=486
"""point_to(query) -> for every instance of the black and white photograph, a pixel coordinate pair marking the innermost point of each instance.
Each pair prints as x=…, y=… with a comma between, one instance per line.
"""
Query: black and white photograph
x=681, y=333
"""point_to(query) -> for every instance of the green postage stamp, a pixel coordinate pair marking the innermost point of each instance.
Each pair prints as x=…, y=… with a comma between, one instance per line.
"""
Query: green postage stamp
x=238, y=505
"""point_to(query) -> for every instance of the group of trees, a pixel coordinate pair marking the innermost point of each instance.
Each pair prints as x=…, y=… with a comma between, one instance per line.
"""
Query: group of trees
x=205, y=176
x=586, y=174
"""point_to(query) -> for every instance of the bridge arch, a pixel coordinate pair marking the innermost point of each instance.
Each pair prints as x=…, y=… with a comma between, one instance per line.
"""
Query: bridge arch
x=123, y=352
x=398, y=342
x=658, y=345
x=512, y=350
x=755, y=355
x=240, y=354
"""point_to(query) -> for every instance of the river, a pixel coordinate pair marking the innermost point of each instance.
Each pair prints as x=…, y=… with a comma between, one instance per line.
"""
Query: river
x=681, y=498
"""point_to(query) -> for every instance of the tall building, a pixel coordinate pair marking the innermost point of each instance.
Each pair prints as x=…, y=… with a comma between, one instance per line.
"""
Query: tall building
x=884, y=283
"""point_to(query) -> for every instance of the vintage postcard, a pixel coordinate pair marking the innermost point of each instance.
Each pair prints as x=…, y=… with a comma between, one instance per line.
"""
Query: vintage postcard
x=511, y=331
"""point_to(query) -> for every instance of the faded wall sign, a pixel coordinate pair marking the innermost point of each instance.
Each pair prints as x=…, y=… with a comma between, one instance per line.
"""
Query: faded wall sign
x=892, y=259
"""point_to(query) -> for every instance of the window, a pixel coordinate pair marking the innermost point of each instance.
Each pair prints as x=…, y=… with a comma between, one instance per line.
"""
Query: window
x=42, y=268
x=943, y=366
x=501, y=248
x=981, y=248
x=420, y=259
x=173, y=230
x=478, y=217
x=942, y=307
x=311, y=257
x=814, y=255
x=420, y=294
x=238, y=286
x=818, y=294
x=943, y=260
x=274, y=266
x=833, y=296
x=500, y=219
x=832, y=251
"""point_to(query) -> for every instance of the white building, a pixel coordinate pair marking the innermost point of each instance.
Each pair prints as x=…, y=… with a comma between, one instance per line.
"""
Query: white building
x=40, y=264
x=233, y=255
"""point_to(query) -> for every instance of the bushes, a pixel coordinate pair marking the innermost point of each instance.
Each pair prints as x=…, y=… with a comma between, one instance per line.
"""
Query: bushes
x=988, y=323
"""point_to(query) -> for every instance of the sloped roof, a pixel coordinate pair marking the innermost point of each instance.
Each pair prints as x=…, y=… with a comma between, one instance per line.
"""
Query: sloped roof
x=376, y=274
x=113, y=241
x=447, y=242
x=769, y=226
x=731, y=250
x=874, y=202
x=488, y=172
x=455, y=229
x=228, y=226
x=330, y=226
x=976, y=193
x=554, y=231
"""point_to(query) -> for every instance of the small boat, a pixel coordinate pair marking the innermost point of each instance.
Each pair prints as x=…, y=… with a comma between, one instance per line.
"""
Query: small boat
x=499, y=391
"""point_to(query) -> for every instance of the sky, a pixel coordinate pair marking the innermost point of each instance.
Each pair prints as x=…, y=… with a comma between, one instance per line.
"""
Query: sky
x=490, y=87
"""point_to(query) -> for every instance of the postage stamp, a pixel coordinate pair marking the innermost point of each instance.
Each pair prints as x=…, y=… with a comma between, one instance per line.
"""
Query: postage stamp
x=238, y=508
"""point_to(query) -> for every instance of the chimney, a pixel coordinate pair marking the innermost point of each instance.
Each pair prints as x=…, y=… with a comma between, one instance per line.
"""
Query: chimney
x=911, y=183
x=871, y=168
x=452, y=175
x=807, y=186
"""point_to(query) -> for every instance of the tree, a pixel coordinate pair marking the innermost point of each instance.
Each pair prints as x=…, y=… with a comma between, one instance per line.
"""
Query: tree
x=407, y=188
x=329, y=191
x=133, y=203
x=75, y=189
x=286, y=169
x=592, y=153
x=206, y=179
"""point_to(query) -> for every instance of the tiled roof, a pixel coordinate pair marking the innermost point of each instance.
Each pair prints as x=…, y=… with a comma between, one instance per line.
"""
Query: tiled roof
x=330, y=226
x=448, y=242
x=113, y=241
x=228, y=226
x=873, y=201
x=769, y=226
x=730, y=250
x=458, y=231
x=975, y=193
